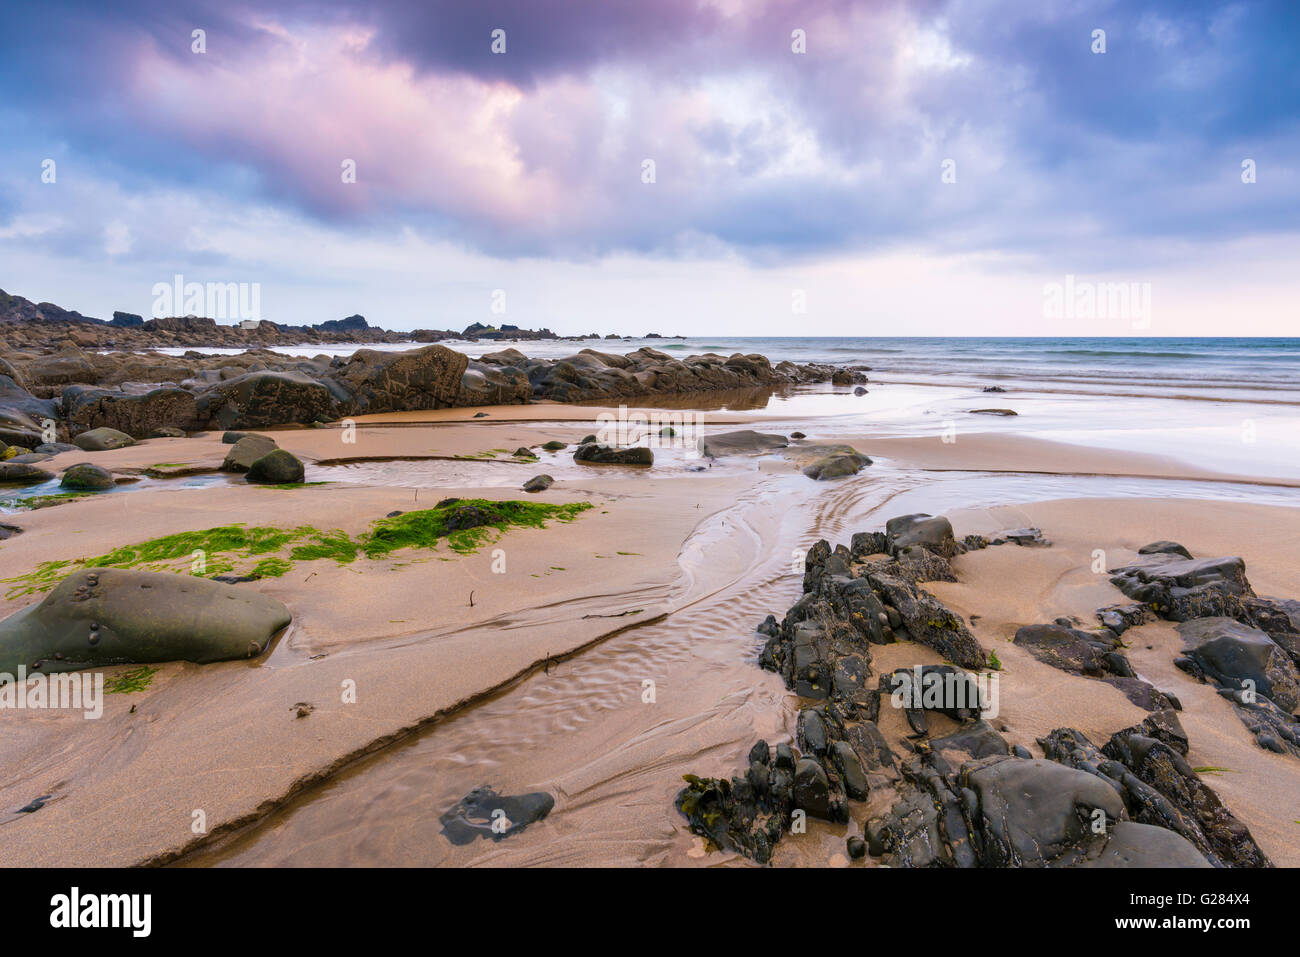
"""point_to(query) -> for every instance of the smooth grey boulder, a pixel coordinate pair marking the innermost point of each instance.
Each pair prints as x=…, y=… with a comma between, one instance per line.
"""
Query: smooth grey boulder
x=23, y=473
x=931, y=532
x=112, y=616
x=836, y=466
x=86, y=477
x=538, y=483
x=102, y=440
x=277, y=467
x=743, y=442
x=246, y=451
x=1130, y=844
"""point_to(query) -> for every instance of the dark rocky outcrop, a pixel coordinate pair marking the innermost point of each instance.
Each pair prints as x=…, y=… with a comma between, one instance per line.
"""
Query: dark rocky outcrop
x=1094, y=654
x=596, y=454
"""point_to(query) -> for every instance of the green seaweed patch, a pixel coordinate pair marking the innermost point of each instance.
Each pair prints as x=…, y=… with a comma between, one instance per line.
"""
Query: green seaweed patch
x=219, y=550
x=129, y=682
x=45, y=501
x=271, y=568
x=424, y=528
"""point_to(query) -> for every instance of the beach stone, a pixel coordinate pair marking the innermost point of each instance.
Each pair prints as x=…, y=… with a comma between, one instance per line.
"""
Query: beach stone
x=22, y=473
x=1033, y=812
x=1229, y=654
x=109, y=616
x=524, y=452
x=992, y=412
x=553, y=446
x=54, y=448
x=30, y=458
x=167, y=432
x=9, y=531
x=277, y=467
x=933, y=533
x=87, y=477
x=1130, y=844
x=812, y=789
x=1164, y=548
x=743, y=442
x=485, y=813
x=538, y=483
x=231, y=437
x=246, y=451
x=836, y=466
x=102, y=439
x=608, y=455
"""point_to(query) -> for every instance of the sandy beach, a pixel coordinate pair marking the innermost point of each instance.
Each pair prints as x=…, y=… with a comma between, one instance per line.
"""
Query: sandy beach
x=524, y=663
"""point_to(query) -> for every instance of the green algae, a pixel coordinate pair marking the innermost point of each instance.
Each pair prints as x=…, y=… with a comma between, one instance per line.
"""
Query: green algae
x=226, y=548
x=129, y=682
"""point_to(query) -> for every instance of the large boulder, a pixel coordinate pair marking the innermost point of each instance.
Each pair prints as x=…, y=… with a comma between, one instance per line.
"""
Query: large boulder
x=102, y=440
x=85, y=477
x=23, y=473
x=743, y=442
x=278, y=467
x=484, y=384
x=111, y=616
x=261, y=399
x=428, y=378
x=246, y=451
x=595, y=454
x=1231, y=654
x=138, y=416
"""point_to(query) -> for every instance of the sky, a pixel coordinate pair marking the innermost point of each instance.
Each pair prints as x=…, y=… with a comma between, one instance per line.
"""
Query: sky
x=695, y=167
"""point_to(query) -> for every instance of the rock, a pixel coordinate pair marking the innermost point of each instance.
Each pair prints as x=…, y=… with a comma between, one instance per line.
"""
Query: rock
x=1036, y=812
x=110, y=616
x=167, y=432
x=991, y=412
x=994, y=388
x=21, y=473
x=87, y=477
x=797, y=435
x=246, y=451
x=1146, y=766
x=1143, y=845
x=538, y=483
x=1180, y=589
x=523, y=452
x=608, y=455
x=743, y=442
x=1027, y=537
x=230, y=438
x=856, y=848
x=859, y=391
x=1164, y=548
x=277, y=467
x=1230, y=654
x=931, y=533
x=87, y=408
x=554, y=446
x=812, y=790
x=836, y=466
x=262, y=399
x=485, y=813
x=101, y=440
x=428, y=378
x=9, y=531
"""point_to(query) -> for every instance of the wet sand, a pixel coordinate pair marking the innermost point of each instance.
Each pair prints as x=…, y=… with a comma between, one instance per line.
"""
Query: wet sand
x=663, y=580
